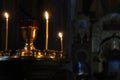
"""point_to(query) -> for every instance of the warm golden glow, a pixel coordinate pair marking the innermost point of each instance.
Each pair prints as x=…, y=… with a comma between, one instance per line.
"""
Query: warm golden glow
x=6, y=15
x=52, y=57
x=39, y=54
x=34, y=31
x=60, y=34
x=15, y=56
x=46, y=15
x=22, y=53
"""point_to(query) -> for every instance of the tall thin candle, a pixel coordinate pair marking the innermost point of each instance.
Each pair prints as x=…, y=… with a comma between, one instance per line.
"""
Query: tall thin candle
x=47, y=29
x=6, y=40
x=61, y=40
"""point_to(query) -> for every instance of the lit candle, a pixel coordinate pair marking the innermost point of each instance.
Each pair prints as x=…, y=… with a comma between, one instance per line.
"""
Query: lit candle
x=6, y=43
x=47, y=21
x=61, y=40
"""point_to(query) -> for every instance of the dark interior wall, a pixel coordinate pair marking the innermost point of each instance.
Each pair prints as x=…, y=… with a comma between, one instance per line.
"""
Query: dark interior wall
x=0, y=22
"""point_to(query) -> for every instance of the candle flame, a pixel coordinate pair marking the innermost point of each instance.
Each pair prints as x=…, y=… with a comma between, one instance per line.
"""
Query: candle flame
x=60, y=34
x=6, y=15
x=46, y=15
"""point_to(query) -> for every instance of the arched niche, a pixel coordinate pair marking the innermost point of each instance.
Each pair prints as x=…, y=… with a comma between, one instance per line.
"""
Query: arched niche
x=105, y=28
x=110, y=58
x=106, y=42
x=80, y=58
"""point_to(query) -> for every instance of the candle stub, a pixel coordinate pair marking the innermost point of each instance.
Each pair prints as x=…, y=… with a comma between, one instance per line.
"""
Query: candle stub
x=61, y=40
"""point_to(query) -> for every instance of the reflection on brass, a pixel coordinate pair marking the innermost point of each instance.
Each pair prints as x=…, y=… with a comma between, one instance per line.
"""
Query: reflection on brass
x=39, y=54
x=7, y=53
x=53, y=54
x=1, y=53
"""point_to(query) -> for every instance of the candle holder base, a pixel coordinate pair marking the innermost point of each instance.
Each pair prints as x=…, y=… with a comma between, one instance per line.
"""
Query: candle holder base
x=7, y=53
x=54, y=54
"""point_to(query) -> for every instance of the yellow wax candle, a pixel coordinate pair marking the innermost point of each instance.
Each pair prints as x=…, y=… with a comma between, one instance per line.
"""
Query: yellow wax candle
x=47, y=29
x=6, y=43
x=61, y=40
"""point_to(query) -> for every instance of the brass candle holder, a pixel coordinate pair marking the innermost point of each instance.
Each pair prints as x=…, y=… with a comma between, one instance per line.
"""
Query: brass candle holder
x=29, y=30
